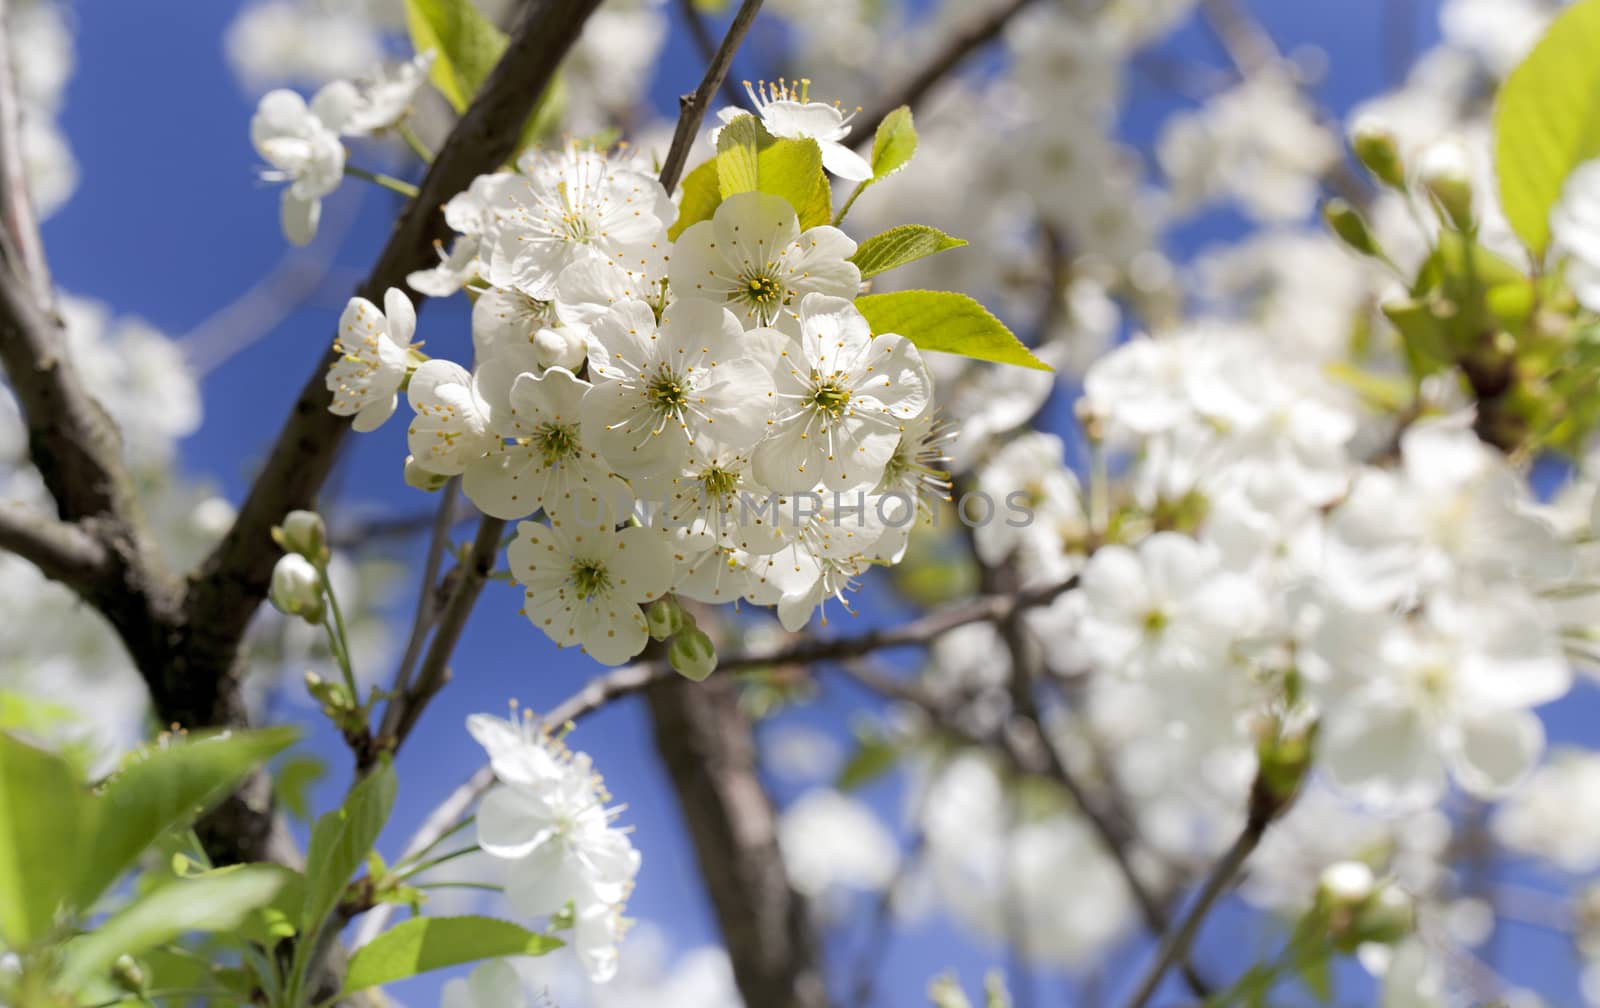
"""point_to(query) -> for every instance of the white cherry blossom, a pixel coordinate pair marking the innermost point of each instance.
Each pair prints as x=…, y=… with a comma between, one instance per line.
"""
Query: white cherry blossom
x=374, y=350
x=785, y=112
x=844, y=397
x=666, y=394
x=752, y=256
x=585, y=587
x=303, y=151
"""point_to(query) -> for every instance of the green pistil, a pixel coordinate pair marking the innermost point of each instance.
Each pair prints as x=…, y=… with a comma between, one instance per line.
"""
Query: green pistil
x=831, y=398
x=1155, y=621
x=556, y=442
x=666, y=394
x=719, y=483
x=590, y=579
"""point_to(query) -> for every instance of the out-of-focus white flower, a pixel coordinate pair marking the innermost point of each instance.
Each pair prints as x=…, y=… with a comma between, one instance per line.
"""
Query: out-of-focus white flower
x=369, y=105
x=303, y=151
x=830, y=839
x=287, y=41
x=549, y=818
x=1556, y=813
x=493, y=985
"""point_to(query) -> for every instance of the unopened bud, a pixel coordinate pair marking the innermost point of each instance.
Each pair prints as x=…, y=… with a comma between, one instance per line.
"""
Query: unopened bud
x=692, y=654
x=332, y=697
x=127, y=974
x=1386, y=917
x=1378, y=152
x=563, y=347
x=1346, y=883
x=1346, y=222
x=304, y=533
x=423, y=479
x=1446, y=173
x=664, y=617
x=297, y=588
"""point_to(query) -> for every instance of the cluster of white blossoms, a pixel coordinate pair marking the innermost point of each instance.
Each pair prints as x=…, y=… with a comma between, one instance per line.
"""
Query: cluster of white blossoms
x=710, y=417
x=303, y=141
x=548, y=819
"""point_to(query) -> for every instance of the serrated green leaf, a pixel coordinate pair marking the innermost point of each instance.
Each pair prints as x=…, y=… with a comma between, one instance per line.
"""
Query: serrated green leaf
x=1547, y=121
x=166, y=789
x=702, y=194
x=947, y=322
x=429, y=943
x=466, y=45
x=340, y=842
x=217, y=901
x=737, y=164
x=894, y=143
x=45, y=824
x=900, y=245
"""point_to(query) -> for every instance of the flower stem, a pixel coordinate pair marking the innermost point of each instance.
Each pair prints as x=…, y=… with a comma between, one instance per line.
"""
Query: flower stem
x=413, y=141
x=860, y=188
x=338, y=637
x=389, y=182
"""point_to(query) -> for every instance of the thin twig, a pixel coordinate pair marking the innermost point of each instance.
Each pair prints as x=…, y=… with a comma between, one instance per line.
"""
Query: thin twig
x=427, y=605
x=1264, y=807
x=950, y=55
x=434, y=671
x=703, y=41
x=692, y=108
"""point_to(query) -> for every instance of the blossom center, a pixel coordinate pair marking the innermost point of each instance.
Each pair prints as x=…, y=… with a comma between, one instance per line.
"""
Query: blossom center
x=590, y=578
x=666, y=393
x=718, y=482
x=556, y=442
x=831, y=398
x=1154, y=622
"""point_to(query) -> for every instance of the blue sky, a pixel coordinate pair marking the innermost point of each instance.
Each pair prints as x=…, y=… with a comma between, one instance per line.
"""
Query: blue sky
x=170, y=224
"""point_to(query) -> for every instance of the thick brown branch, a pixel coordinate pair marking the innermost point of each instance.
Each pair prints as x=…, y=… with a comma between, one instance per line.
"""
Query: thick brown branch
x=233, y=580
x=706, y=743
x=963, y=42
x=62, y=552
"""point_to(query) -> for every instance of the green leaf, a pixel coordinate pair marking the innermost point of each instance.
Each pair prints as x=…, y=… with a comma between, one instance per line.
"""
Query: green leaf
x=45, y=822
x=900, y=245
x=217, y=901
x=165, y=789
x=429, y=943
x=875, y=756
x=466, y=45
x=737, y=160
x=947, y=322
x=341, y=840
x=1547, y=121
x=894, y=143
x=702, y=194
x=293, y=783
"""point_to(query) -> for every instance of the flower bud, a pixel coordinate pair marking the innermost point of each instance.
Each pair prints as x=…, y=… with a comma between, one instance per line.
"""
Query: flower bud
x=692, y=654
x=1377, y=151
x=304, y=533
x=127, y=974
x=423, y=479
x=563, y=347
x=1346, y=883
x=1346, y=222
x=664, y=617
x=1446, y=173
x=1385, y=917
x=297, y=588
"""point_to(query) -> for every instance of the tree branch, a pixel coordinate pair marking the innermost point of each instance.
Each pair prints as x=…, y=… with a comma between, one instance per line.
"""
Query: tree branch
x=952, y=53
x=1265, y=806
x=692, y=108
x=62, y=552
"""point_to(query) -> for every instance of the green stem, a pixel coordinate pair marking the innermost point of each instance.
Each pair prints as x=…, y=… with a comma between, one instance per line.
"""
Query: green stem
x=435, y=862
x=452, y=831
x=861, y=187
x=414, y=142
x=338, y=637
x=484, y=886
x=389, y=182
